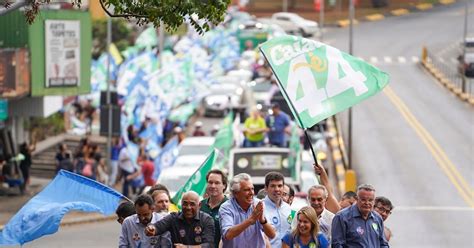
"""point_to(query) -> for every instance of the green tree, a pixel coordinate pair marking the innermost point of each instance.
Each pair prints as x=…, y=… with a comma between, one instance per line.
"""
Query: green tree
x=121, y=34
x=205, y=13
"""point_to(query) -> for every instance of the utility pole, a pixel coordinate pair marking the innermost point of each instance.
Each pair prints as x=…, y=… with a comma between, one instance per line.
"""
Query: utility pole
x=321, y=19
x=463, y=86
x=285, y=5
x=161, y=40
x=109, y=100
x=351, y=23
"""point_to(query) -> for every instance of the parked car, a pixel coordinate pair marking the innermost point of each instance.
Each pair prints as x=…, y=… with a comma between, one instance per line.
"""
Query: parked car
x=293, y=23
x=466, y=64
x=469, y=44
x=222, y=98
x=274, y=30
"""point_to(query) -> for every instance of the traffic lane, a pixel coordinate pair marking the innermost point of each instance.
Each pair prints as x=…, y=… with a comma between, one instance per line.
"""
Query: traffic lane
x=448, y=227
x=404, y=35
x=445, y=117
x=386, y=155
x=98, y=234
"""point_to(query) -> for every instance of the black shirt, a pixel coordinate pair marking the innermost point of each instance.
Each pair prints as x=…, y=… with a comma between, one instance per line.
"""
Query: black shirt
x=214, y=213
x=200, y=231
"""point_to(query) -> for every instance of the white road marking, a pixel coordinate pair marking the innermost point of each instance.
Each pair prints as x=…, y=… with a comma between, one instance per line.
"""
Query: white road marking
x=387, y=59
x=402, y=60
x=415, y=59
x=373, y=60
x=432, y=208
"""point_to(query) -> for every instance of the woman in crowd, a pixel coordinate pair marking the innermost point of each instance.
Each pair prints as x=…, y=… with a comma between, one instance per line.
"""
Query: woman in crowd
x=25, y=164
x=306, y=233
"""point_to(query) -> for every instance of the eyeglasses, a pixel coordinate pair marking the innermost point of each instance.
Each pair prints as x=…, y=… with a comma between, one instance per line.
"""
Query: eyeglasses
x=384, y=210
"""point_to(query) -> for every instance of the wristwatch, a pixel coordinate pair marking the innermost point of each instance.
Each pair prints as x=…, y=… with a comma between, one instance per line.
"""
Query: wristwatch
x=264, y=222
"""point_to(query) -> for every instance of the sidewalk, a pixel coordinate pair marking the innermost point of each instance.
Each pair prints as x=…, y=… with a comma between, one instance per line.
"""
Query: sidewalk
x=11, y=202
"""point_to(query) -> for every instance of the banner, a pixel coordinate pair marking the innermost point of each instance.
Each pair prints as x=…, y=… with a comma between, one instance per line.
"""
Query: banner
x=318, y=80
x=197, y=182
x=43, y=213
x=63, y=52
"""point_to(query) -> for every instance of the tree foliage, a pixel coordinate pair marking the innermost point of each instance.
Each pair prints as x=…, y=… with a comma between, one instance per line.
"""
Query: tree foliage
x=121, y=34
x=202, y=14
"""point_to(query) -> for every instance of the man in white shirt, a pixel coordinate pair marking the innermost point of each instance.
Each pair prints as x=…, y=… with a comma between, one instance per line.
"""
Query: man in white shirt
x=133, y=227
x=277, y=212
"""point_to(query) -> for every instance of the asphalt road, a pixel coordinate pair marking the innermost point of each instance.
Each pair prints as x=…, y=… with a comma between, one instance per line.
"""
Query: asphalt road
x=415, y=141
x=100, y=234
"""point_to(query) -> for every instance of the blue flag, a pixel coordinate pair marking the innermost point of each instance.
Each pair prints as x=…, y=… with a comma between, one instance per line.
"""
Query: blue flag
x=167, y=157
x=43, y=213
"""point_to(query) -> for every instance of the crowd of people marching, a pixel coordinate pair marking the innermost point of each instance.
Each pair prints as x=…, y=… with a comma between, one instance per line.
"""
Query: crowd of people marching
x=230, y=215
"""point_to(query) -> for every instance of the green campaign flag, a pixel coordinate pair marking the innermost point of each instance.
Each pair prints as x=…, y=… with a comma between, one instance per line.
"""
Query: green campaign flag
x=197, y=182
x=318, y=80
x=295, y=149
x=225, y=139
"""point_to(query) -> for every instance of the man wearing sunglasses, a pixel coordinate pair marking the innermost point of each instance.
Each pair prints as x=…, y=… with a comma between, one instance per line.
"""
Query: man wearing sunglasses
x=384, y=207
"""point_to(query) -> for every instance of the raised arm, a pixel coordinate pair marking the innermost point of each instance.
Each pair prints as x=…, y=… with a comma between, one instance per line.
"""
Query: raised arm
x=331, y=203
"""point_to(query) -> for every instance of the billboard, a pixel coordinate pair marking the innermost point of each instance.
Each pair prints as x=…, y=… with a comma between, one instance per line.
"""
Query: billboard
x=62, y=41
x=14, y=73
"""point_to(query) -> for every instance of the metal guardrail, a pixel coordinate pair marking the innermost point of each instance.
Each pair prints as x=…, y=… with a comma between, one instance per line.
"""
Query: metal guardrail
x=450, y=74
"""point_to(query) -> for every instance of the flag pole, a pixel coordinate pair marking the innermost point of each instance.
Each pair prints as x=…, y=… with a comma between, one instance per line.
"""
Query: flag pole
x=311, y=146
x=297, y=117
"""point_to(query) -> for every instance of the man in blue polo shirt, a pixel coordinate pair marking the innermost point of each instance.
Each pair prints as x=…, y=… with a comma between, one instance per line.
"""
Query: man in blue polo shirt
x=243, y=223
x=277, y=211
x=358, y=225
x=277, y=123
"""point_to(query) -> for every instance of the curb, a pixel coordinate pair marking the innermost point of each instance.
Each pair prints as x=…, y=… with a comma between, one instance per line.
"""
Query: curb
x=440, y=77
x=338, y=154
x=397, y=12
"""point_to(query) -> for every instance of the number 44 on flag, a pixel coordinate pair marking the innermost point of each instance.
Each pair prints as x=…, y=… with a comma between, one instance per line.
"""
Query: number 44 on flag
x=318, y=80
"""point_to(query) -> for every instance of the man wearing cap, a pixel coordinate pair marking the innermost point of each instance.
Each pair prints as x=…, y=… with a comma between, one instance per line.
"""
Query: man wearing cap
x=198, y=131
x=277, y=123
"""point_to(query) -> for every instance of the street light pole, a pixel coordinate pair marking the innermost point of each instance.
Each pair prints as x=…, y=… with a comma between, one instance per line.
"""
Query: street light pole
x=351, y=23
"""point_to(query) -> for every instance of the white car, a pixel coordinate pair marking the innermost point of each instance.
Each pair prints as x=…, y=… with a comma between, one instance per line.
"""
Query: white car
x=222, y=99
x=293, y=23
x=195, y=146
x=176, y=176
